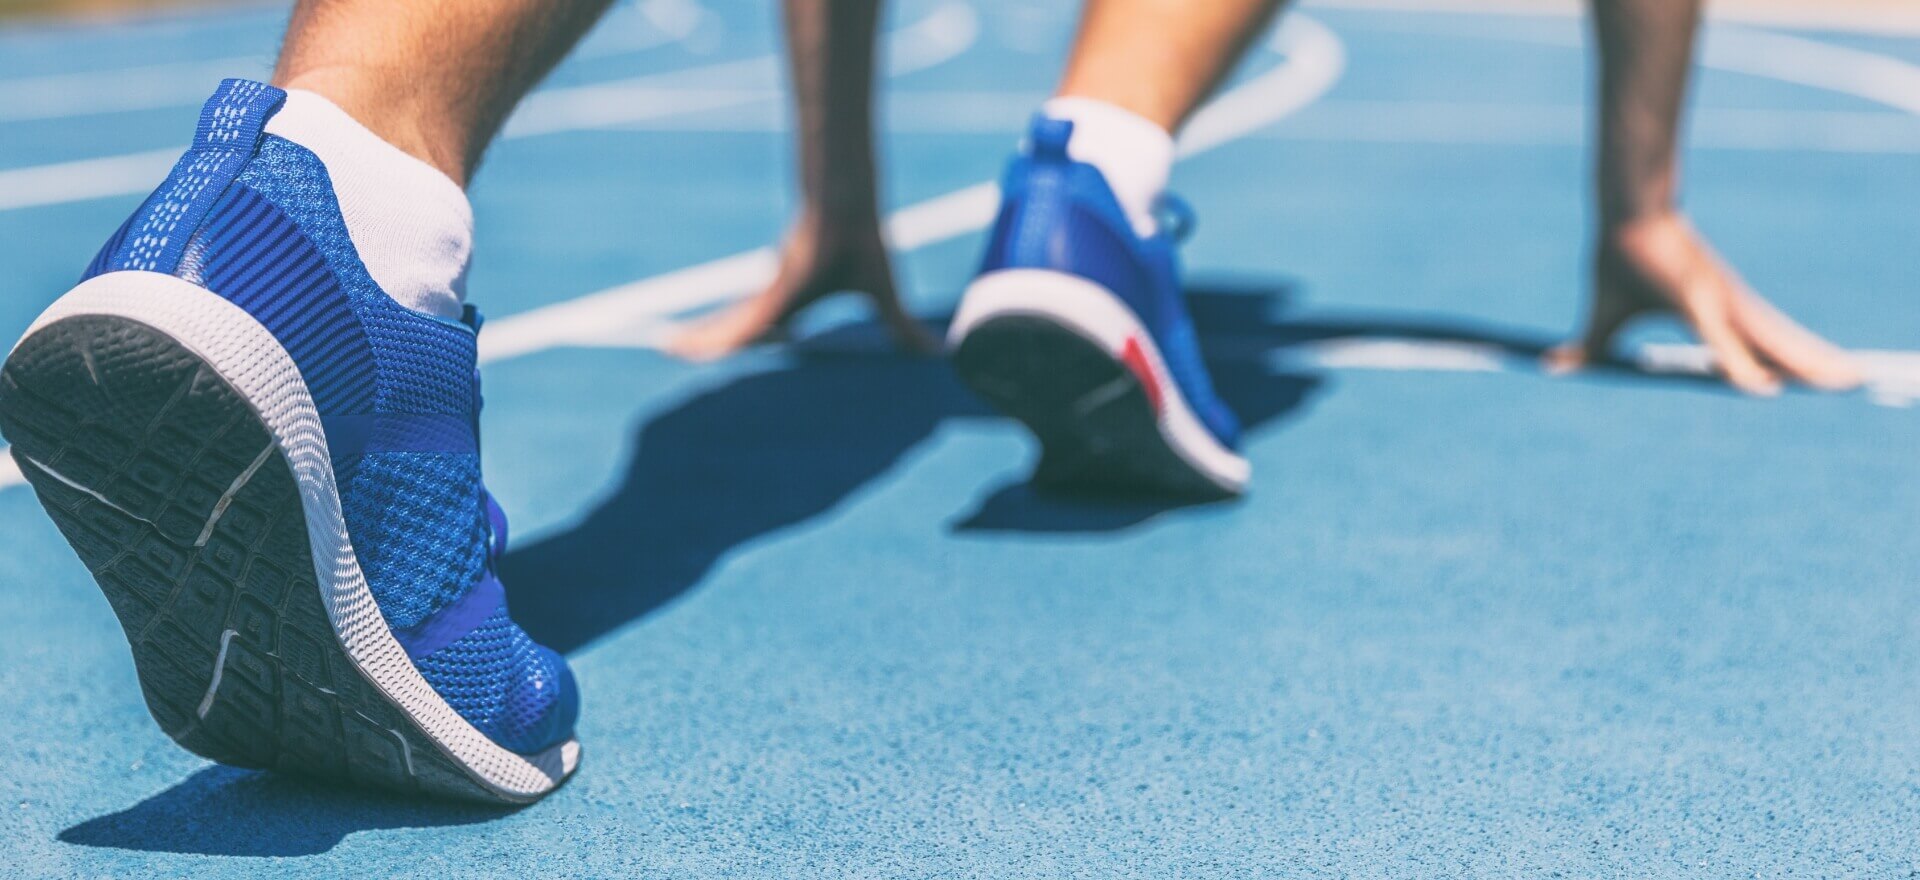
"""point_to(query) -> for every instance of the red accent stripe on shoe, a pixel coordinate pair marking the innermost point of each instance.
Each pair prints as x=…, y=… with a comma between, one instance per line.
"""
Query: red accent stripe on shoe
x=1136, y=360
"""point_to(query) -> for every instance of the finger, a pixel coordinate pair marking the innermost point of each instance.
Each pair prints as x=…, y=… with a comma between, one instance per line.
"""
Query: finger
x=1613, y=308
x=1708, y=313
x=1796, y=350
x=732, y=328
x=1569, y=357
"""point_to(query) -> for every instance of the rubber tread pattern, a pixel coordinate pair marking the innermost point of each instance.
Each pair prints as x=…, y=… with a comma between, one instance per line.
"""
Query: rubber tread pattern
x=1097, y=427
x=124, y=410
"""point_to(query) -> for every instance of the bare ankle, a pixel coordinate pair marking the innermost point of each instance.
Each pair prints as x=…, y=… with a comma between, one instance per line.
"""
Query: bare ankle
x=385, y=112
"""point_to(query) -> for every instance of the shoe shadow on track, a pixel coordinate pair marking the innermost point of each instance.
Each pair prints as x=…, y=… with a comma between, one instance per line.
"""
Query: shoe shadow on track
x=776, y=448
x=225, y=811
x=1245, y=332
x=763, y=452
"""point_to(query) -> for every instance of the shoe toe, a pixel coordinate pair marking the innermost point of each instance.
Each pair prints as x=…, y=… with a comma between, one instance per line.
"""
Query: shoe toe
x=544, y=705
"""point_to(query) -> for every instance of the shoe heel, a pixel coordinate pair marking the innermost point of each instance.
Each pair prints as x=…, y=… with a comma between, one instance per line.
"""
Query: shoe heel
x=1064, y=357
x=175, y=446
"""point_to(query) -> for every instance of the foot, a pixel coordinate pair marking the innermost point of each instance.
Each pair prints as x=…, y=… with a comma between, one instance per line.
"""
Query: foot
x=820, y=258
x=1661, y=265
x=271, y=468
x=1076, y=326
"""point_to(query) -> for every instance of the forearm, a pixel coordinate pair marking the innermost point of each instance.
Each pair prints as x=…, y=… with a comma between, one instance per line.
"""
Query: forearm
x=830, y=53
x=1646, y=56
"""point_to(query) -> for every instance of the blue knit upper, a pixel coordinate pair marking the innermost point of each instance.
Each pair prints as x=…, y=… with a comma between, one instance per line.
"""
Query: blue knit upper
x=1061, y=215
x=252, y=217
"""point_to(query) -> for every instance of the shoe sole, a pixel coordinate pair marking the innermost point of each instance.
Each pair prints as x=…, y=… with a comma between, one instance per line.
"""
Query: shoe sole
x=1068, y=359
x=174, y=444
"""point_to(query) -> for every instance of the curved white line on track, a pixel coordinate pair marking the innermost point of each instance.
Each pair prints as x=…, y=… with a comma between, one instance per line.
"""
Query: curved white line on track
x=1882, y=79
x=937, y=38
x=186, y=83
x=1870, y=75
x=639, y=313
x=943, y=34
x=1871, y=17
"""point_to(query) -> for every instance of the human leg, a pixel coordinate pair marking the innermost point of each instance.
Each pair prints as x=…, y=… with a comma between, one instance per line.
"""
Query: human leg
x=256, y=419
x=835, y=244
x=1647, y=257
x=1076, y=324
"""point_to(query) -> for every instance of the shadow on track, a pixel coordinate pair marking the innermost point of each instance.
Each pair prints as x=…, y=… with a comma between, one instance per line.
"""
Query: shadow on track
x=763, y=452
x=225, y=811
x=1242, y=324
x=776, y=448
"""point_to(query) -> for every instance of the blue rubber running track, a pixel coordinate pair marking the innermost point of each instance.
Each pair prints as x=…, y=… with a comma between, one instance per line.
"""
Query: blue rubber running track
x=1471, y=620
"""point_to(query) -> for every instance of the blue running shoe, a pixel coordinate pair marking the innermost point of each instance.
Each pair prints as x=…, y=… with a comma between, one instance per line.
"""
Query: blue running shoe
x=1077, y=327
x=272, y=470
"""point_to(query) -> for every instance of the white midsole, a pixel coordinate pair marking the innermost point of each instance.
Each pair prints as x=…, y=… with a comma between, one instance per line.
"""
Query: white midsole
x=247, y=356
x=1093, y=312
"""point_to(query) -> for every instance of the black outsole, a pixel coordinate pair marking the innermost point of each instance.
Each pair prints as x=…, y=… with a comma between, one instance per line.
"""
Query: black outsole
x=1096, y=424
x=157, y=437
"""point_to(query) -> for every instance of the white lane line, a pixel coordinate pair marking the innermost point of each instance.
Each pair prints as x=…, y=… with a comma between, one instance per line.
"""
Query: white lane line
x=638, y=313
x=1892, y=378
x=79, y=181
x=1811, y=63
x=66, y=95
x=1822, y=131
x=653, y=23
x=1869, y=17
x=1375, y=353
x=942, y=35
x=81, y=93
x=973, y=112
x=1872, y=76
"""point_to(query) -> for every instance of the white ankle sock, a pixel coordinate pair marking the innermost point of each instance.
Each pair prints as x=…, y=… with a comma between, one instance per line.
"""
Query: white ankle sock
x=411, y=224
x=1134, y=154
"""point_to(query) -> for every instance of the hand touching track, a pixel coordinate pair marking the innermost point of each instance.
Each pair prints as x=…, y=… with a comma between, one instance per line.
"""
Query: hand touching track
x=818, y=259
x=836, y=244
x=1661, y=264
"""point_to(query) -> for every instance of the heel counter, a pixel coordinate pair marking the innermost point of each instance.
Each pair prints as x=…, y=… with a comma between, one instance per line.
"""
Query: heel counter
x=1033, y=201
x=156, y=237
x=1059, y=213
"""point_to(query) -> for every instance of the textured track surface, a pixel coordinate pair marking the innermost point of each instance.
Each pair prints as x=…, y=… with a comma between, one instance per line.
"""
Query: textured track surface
x=177, y=500
x=1469, y=620
x=1097, y=427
